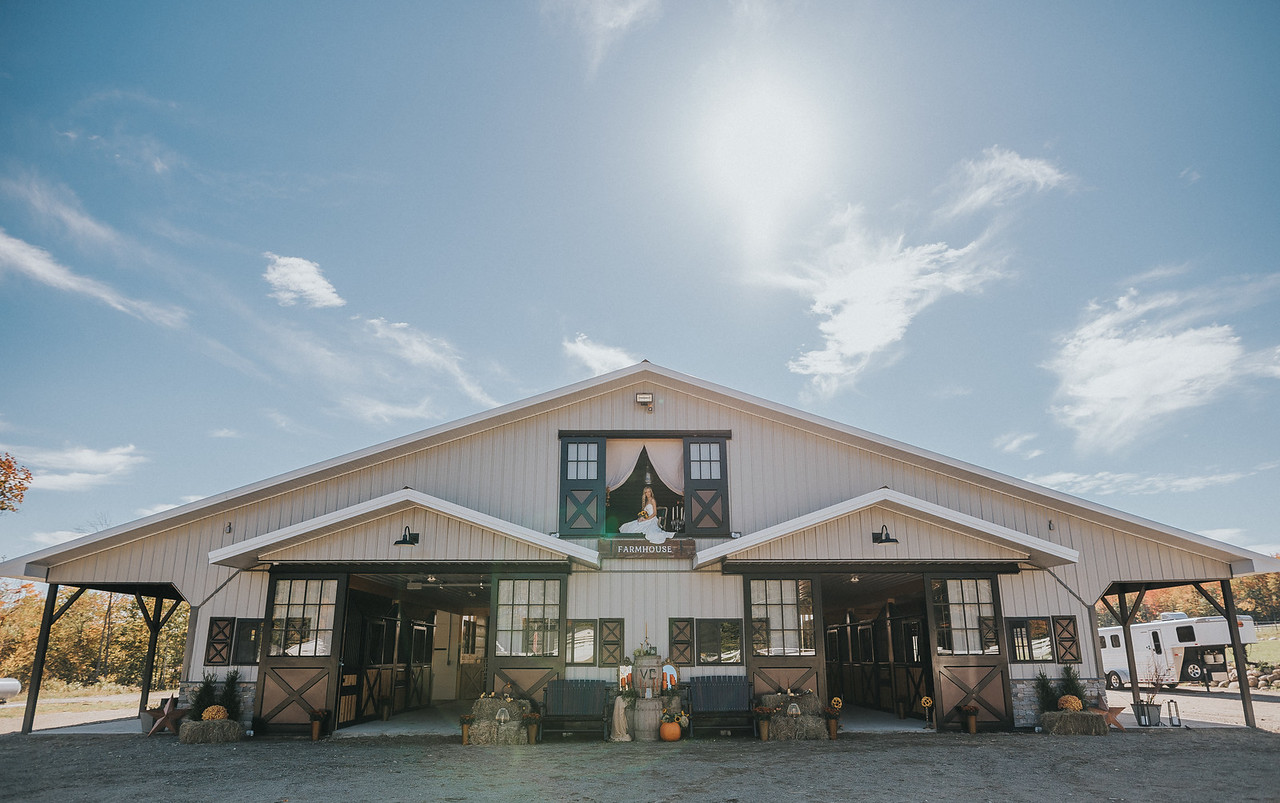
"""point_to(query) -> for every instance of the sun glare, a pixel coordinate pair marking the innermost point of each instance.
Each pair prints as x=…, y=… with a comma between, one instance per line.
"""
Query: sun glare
x=765, y=149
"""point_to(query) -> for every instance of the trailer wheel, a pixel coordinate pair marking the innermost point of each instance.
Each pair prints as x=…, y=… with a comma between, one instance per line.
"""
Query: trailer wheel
x=1114, y=681
x=1194, y=672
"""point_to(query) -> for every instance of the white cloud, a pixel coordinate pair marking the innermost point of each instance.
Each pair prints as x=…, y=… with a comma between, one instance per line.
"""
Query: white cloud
x=59, y=204
x=1131, y=365
x=603, y=22
x=868, y=289
x=1018, y=443
x=55, y=537
x=375, y=410
x=295, y=279
x=998, y=178
x=160, y=507
x=420, y=349
x=596, y=357
x=37, y=264
x=75, y=468
x=225, y=432
x=1106, y=483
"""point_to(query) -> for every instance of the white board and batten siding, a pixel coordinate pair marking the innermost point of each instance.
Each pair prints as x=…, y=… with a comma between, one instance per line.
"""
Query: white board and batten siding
x=646, y=593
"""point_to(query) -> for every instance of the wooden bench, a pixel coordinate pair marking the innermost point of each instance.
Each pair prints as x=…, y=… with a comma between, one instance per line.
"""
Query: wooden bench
x=720, y=703
x=575, y=706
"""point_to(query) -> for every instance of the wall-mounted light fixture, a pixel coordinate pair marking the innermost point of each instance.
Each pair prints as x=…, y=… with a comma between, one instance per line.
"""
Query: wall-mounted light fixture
x=227, y=529
x=882, y=536
x=1050, y=524
x=407, y=538
x=853, y=578
x=645, y=399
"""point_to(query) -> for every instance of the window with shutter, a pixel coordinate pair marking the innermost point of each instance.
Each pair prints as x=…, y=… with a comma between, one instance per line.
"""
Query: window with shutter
x=217, y=651
x=1066, y=642
x=582, y=486
x=611, y=640
x=680, y=637
x=706, y=491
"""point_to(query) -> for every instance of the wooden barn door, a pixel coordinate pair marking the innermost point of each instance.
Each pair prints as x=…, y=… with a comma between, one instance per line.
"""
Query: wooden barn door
x=970, y=660
x=300, y=668
x=525, y=636
x=785, y=650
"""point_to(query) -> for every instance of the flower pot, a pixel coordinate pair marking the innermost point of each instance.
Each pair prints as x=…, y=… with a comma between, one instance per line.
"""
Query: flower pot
x=533, y=734
x=764, y=730
x=315, y=730
x=1147, y=714
x=669, y=731
x=466, y=733
x=832, y=725
x=971, y=723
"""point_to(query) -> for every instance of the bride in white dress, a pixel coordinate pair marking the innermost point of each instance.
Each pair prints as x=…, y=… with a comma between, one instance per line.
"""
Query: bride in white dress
x=646, y=523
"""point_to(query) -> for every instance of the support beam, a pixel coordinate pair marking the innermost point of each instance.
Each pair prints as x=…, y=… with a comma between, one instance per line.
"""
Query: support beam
x=37, y=666
x=1127, y=615
x=155, y=623
x=1237, y=651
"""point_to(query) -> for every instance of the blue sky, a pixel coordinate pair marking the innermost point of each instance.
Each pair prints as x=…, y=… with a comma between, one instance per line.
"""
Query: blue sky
x=240, y=238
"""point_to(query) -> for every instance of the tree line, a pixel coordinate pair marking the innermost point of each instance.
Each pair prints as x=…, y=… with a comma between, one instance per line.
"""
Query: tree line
x=1257, y=595
x=101, y=638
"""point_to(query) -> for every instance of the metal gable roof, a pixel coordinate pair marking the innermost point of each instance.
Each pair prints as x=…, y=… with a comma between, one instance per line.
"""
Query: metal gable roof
x=1037, y=551
x=246, y=554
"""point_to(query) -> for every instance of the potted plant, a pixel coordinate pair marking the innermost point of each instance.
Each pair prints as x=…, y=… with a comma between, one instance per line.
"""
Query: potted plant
x=763, y=714
x=970, y=714
x=318, y=716
x=530, y=721
x=832, y=713
x=465, y=721
x=1147, y=711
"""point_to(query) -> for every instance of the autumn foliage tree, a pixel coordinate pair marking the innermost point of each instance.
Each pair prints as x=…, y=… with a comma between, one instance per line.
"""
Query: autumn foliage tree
x=14, y=481
x=1257, y=595
x=101, y=637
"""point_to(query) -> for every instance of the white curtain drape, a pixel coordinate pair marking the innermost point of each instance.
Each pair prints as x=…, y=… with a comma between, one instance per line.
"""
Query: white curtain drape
x=666, y=456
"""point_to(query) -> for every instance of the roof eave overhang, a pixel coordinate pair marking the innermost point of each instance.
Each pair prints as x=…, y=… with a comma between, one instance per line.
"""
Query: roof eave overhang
x=248, y=553
x=1037, y=551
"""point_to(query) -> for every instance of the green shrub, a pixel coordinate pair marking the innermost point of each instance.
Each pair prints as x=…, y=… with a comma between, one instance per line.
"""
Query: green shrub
x=1070, y=684
x=205, y=696
x=1046, y=693
x=229, y=697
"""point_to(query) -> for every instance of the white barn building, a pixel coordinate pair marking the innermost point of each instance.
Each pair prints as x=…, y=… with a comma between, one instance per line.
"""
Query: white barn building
x=507, y=548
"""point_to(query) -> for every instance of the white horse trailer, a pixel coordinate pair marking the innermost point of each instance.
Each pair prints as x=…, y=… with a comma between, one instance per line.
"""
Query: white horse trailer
x=1173, y=649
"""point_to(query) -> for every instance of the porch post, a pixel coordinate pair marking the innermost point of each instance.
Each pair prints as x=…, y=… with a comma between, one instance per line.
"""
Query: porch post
x=1237, y=651
x=1126, y=619
x=37, y=666
x=149, y=663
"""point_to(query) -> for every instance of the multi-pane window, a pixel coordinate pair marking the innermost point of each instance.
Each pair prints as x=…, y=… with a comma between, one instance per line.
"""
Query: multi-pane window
x=719, y=641
x=1045, y=638
x=966, y=617
x=582, y=461
x=302, y=617
x=704, y=460
x=1030, y=640
x=782, y=620
x=528, y=617
x=580, y=647
x=248, y=642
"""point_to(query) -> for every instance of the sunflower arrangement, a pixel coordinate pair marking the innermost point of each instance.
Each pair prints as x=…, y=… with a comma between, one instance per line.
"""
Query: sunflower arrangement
x=833, y=711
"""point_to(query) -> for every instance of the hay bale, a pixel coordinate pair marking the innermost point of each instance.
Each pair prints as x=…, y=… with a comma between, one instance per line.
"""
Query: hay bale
x=485, y=729
x=215, y=731
x=1073, y=723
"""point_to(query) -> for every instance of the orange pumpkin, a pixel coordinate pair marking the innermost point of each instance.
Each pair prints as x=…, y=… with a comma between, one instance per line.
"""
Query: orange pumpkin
x=669, y=731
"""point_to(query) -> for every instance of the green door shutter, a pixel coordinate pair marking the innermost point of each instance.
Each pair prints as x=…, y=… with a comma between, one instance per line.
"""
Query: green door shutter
x=582, y=486
x=706, y=487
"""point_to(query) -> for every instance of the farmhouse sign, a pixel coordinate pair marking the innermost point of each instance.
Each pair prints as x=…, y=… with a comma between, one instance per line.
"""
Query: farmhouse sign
x=640, y=548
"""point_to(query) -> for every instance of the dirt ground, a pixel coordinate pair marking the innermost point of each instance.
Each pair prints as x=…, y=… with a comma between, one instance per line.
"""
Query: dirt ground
x=1148, y=765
